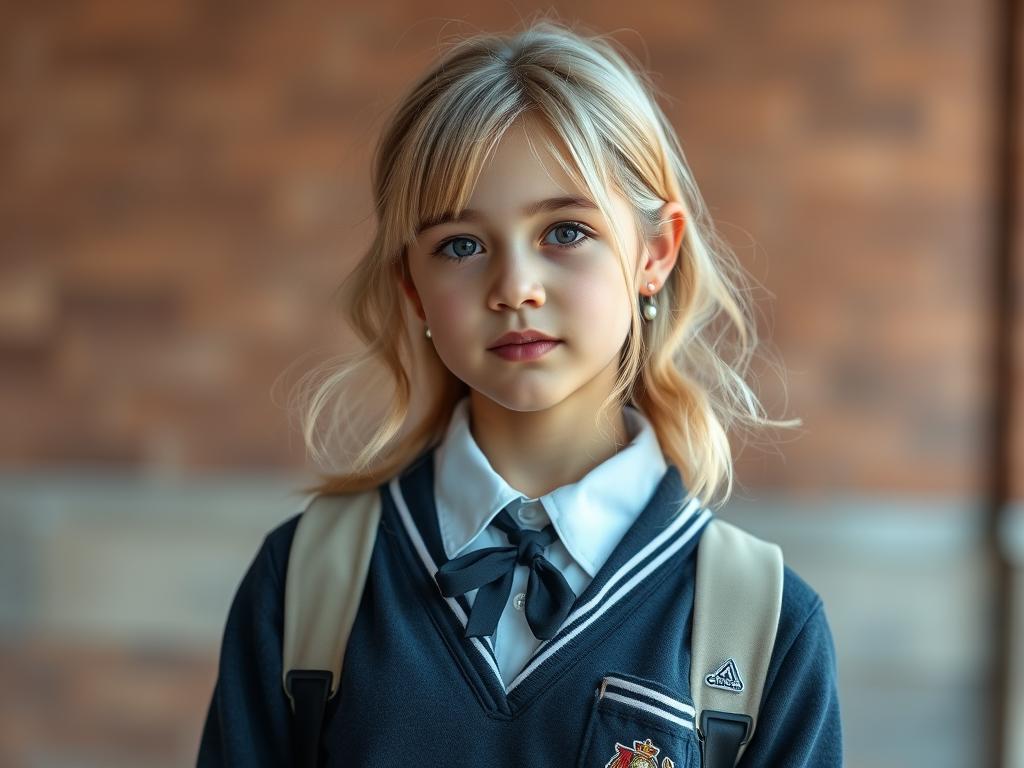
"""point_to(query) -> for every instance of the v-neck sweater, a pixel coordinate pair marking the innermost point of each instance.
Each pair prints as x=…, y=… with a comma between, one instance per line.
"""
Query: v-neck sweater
x=612, y=684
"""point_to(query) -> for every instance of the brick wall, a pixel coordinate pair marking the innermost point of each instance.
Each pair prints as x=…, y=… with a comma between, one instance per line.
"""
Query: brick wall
x=185, y=183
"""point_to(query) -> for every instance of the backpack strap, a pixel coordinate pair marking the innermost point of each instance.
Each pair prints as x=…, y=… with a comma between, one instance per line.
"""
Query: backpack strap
x=736, y=610
x=327, y=566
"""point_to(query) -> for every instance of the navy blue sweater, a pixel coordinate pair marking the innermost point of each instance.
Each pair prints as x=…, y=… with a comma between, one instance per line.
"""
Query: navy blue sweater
x=612, y=686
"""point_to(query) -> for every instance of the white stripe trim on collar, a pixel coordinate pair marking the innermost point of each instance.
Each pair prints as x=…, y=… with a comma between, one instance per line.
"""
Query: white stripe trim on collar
x=428, y=563
x=549, y=648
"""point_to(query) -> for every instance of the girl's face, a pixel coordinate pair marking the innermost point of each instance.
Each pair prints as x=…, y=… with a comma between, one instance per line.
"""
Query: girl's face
x=512, y=265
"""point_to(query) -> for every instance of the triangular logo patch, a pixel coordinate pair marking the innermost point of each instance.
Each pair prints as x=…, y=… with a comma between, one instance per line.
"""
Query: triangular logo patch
x=726, y=677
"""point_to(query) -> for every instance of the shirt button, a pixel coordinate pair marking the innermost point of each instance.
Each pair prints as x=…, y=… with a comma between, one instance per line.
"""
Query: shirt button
x=519, y=601
x=529, y=515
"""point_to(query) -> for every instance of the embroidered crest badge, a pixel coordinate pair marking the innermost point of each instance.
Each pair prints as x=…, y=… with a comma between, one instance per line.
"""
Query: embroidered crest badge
x=726, y=677
x=642, y=755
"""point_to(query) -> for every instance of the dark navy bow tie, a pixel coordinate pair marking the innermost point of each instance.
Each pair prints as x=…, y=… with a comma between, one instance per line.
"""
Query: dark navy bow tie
x=549, y=598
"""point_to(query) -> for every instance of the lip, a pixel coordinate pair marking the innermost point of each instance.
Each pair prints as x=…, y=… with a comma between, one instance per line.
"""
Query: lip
x=523, y=352
x=520, y=337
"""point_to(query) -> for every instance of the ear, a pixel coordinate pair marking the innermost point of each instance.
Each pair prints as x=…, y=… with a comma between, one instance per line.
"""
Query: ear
x=662, y=249
x=414, y=297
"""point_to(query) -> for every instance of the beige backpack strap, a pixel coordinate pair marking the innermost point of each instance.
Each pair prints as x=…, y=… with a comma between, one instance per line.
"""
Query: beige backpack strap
x=736, y=610
x=327, y=567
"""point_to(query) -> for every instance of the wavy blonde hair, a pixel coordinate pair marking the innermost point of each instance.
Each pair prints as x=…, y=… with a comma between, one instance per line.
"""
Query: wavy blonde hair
x=685, y=369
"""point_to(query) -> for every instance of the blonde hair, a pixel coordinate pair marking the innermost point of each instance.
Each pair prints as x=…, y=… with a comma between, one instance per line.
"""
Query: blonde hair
x=680, y=369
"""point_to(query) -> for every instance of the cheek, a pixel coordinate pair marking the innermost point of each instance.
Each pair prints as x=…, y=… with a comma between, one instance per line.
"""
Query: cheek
x=449, y=311
x=599, y=308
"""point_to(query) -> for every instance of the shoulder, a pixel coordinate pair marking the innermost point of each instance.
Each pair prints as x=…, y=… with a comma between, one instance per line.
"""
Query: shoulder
x=321, y=513
x=261, y=590
x=800, y=602
x=278, y=543
x=802, y=633
x=804, y=646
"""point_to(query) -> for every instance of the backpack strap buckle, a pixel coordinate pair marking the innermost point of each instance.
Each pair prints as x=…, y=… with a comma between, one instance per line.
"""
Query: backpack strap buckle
x=309, y=690
x=721, y=734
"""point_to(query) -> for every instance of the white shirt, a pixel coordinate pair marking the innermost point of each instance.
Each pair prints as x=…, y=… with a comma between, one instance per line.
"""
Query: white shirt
x=590, y=516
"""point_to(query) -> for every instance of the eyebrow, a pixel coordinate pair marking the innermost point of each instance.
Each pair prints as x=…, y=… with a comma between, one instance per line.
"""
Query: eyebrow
x=550, y=204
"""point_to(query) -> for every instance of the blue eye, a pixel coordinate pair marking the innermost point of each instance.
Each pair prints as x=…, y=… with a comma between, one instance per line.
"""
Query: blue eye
x=572, y=226
x=455, y=256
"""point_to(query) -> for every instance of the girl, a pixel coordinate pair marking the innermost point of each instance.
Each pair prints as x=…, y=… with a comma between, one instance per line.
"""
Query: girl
x=538, y=216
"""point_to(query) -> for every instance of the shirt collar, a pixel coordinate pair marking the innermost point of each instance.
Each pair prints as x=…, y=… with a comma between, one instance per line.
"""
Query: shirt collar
x=590, y=516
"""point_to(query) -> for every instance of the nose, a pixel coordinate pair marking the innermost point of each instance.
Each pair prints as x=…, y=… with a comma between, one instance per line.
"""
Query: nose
x=517, y=281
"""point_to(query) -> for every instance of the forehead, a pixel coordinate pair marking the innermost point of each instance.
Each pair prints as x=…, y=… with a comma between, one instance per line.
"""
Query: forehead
x=521, y=169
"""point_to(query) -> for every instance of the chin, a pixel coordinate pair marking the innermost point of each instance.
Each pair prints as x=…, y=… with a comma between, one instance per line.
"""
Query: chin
x=525, y=399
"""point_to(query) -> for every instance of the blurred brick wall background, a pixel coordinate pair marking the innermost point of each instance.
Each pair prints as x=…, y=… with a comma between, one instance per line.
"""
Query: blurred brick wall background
x=185, y=183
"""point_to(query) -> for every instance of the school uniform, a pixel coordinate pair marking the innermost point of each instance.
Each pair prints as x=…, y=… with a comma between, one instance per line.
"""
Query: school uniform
x=590, y=516
x=610, y=687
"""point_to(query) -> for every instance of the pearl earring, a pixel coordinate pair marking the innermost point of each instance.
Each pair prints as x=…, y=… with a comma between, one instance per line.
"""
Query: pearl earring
x=650, y=311
x=426, y=331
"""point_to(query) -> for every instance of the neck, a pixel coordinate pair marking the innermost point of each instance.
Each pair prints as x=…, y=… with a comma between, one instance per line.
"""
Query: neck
x=538, y=451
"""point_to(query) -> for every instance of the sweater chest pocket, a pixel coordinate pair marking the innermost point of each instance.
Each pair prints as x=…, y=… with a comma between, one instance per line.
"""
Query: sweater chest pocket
x=636, y=722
